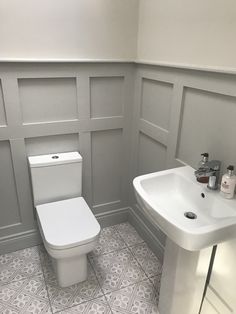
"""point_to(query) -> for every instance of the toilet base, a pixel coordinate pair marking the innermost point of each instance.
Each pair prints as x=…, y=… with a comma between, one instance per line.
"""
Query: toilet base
x=70, y=271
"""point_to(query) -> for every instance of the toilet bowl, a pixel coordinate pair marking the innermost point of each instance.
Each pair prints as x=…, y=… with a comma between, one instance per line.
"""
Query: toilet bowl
x=67, y=225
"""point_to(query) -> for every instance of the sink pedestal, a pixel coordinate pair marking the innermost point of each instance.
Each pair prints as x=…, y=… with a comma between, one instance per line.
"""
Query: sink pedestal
x=183, y=279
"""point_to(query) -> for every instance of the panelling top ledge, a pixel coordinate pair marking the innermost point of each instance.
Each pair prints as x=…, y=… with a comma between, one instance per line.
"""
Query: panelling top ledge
x=215, y=69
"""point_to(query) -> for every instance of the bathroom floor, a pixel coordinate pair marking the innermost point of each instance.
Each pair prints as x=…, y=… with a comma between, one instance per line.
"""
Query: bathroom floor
x=123, y=277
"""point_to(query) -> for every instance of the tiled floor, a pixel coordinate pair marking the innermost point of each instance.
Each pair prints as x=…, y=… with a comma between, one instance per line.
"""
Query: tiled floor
x=124, y=278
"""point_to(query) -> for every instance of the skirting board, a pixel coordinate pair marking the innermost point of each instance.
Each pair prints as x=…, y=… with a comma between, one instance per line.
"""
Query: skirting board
x=20, y=241
x=143, y=227
x=32, y=237
x=113, y=217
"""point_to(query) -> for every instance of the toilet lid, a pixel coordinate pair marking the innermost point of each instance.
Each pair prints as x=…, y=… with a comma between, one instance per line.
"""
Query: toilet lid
x=67, y=223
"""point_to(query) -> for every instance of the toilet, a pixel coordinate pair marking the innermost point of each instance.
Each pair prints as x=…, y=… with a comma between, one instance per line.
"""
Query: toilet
x=67, y=225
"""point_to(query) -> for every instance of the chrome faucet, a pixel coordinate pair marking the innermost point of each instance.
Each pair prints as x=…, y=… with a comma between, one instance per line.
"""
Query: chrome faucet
x=210, y=169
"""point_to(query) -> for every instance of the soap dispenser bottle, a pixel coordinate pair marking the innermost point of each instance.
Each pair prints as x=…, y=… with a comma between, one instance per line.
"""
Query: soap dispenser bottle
x=201, y=164
x=228, y=183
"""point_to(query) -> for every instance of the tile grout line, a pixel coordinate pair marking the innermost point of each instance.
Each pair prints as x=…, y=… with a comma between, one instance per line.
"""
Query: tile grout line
x=100, y=285
x=41, y=262
x=105, y=294
x=129, y=247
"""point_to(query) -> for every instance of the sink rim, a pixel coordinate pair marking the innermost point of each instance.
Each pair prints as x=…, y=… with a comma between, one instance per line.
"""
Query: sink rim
x=187, y=235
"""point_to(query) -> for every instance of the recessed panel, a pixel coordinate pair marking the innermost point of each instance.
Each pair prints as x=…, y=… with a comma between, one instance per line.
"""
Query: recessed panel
x=52, y=144
x=208, y=125
x=106, y=166
x=107, y=96
x=151, y=155
x=9, y=213
x=48, y=99
x=3, y=120
x=156, y=102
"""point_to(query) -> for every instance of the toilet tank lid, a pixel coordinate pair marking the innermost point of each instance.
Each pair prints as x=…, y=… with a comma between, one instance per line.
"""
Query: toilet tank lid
x=54, y=159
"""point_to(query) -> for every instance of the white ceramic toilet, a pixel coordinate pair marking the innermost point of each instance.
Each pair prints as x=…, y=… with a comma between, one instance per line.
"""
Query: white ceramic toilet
x=67, y=225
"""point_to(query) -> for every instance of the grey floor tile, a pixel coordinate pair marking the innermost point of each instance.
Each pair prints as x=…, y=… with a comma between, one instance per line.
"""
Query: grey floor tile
x=139, y=298
x=25, y=296
x=109, y=241
x=129, y=234
x=117, y=270
x=62, y=298
x=147, y=259
x=99, y=306
x=28, y=283
x=20, y=265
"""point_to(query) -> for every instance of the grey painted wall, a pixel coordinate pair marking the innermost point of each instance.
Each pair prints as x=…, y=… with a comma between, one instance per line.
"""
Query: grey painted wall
x=48, y=108
x=124, y=119
x=178, y=114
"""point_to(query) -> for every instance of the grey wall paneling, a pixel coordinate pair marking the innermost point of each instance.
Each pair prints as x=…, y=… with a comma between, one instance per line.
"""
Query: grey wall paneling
x=28, y=93
x=184, y=112
x=140, y=113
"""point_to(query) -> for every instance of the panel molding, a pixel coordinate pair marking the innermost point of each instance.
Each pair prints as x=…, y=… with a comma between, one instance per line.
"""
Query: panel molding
x=18, y=131
x=156, y=132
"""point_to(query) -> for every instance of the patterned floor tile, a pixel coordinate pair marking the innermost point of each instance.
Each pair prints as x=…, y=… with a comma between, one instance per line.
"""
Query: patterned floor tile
x=117, y=270
x=19, y=265
x=99, y=306
x=147, y=259
x=62, y=298
x=25, y=296
x=139, y=298
x=129, y=234
x=109, y=241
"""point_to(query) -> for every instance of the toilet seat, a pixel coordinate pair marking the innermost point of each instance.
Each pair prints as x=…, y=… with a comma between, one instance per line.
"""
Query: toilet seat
x=67, y=223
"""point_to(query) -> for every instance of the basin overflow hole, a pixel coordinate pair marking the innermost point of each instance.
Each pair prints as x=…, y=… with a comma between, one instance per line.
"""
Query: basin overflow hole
x=203, y=195
x=190, y=215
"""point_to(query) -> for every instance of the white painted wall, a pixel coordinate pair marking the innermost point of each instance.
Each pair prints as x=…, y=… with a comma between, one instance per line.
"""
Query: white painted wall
x=80, y=29
x=200, y=32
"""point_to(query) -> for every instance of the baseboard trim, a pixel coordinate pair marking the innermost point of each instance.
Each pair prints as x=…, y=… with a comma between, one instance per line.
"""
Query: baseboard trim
x=148, y=235
x=113, y=217
x=19, y=241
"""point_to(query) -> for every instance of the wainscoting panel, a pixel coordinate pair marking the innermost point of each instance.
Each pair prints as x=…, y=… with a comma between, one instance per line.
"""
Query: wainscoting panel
x=3, y=121
x=107, y=96
x=205, y=124
x=178, y=114
x=10, y=213
x=155, y=159
x=124, y=119
x=106, y=167
x=59, y=108
x=48, y=99
x=52, y=144
x=156, y=102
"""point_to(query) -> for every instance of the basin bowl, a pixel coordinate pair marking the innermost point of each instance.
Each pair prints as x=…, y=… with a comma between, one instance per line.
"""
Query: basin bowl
x=190, y=214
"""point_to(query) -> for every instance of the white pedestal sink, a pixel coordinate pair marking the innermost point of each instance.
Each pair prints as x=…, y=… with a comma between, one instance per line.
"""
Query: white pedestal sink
x=167, y=197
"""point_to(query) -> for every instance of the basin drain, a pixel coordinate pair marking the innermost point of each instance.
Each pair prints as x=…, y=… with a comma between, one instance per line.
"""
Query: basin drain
x=190, y=215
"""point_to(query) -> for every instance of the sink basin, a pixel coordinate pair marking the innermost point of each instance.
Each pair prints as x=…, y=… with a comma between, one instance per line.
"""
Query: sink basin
x=168, y=196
